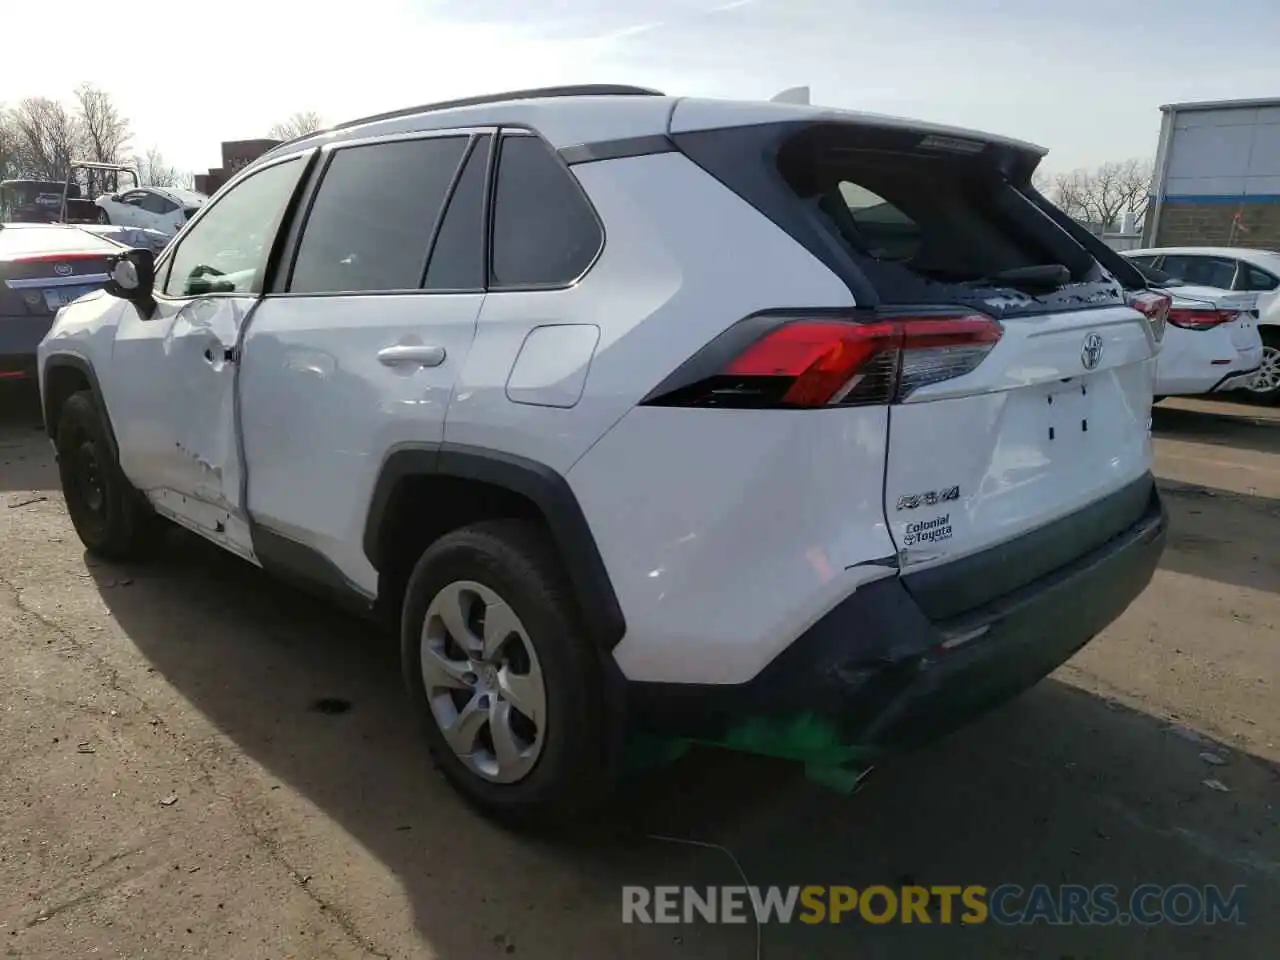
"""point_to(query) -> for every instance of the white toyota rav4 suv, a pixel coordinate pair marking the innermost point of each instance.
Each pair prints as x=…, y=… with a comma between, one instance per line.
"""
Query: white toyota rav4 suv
x=710, y=420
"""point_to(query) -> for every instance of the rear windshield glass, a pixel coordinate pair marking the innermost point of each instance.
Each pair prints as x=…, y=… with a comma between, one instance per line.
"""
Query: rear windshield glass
x=928, y=224
x=22, y=241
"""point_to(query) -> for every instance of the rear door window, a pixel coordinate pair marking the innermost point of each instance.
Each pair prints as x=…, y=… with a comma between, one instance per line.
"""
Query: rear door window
x=373, y=217
x=545, y=233
x=1202, y=271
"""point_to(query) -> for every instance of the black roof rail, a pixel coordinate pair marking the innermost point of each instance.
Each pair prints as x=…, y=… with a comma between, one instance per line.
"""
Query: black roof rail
x=578, y=90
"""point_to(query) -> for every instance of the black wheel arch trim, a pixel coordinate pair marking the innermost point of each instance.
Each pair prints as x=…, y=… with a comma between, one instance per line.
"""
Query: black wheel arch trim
x=547, y=489
x=82, y=366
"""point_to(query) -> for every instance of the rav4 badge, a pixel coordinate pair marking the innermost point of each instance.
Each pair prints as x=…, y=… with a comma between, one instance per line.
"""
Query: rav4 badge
x=929, y=498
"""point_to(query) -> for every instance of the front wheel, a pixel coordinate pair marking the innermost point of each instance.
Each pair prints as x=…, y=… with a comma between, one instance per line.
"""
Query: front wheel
x=111, y=518
x=507, y=683
x=1265, y=386
x=103, y=216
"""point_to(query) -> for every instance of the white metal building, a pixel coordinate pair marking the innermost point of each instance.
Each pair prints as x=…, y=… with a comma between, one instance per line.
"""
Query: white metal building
x=1217, y=175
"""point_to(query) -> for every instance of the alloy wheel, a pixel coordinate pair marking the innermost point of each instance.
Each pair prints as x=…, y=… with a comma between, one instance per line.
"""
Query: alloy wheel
x=483, y=682
x=1267, y=379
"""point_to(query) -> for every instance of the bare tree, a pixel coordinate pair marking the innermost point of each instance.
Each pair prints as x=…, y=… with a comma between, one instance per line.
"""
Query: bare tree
x=1100, y=195
x=46, y=138
x=104, y=131
x=9, y=165
x=298, y=125
x=155, y=171
x=1069, y=192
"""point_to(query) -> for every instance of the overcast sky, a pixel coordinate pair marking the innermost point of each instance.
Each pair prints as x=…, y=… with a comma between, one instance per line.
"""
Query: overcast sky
x=1082, y=77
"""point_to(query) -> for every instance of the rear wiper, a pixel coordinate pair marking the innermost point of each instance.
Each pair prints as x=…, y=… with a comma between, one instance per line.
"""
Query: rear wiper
x=1049, y=275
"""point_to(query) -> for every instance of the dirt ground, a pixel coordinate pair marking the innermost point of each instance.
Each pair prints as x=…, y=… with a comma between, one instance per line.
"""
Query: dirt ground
x=180, y=776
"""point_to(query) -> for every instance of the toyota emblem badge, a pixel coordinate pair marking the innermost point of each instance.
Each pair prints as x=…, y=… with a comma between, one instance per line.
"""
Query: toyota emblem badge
x=1091, y=352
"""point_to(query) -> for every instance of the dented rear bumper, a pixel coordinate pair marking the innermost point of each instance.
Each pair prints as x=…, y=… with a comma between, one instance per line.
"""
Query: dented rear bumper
x=877, y=674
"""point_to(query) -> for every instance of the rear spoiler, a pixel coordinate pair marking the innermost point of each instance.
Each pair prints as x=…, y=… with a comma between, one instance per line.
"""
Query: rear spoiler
x=792, y=95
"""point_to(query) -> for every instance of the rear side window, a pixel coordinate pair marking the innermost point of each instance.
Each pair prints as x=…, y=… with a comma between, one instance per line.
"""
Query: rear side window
x=371, y=223
x=457, y=259
x=154, y=203
x=1201, y=271
x=544, y=230
x=1260, y=280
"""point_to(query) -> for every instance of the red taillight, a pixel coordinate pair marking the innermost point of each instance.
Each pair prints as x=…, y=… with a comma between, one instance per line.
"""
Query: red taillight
x=818, y=358
x=60, y=257
x=1154, y=306
x=817, y=363
x=1201, y=319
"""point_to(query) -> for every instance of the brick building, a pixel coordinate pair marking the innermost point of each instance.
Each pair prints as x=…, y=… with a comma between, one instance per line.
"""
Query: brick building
x=236, y=155
x=1217, y=177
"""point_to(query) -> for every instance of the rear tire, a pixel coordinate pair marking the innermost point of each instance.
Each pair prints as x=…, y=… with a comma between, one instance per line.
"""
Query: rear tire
x=513, y=710
x=1266, y=387
x=112, y=519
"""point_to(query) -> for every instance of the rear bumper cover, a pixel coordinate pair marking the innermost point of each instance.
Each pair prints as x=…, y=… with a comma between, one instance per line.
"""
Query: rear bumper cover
x=877, y=674
x=1236, y=380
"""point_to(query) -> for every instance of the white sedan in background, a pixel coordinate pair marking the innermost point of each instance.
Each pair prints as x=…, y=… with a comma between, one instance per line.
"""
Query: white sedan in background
x=1211, y=341
x=1232, y=268
x=164, y=209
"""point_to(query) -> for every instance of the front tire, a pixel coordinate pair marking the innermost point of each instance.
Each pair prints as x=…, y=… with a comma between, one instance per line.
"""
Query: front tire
x=509, y=687
x=103, y=216
x=111, y=518
x=1265, y=387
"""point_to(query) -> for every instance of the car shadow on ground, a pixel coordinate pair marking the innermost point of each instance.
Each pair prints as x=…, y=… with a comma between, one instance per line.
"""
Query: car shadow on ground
x=1060, y=786
x=25, y=464
x=1219, y=424
x=1213, y=534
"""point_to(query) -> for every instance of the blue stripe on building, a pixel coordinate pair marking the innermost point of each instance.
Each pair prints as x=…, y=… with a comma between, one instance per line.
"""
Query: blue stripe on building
x=1218, y=198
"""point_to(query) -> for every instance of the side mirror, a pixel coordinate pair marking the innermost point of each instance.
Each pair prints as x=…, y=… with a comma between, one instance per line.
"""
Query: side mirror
x=132, y=277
